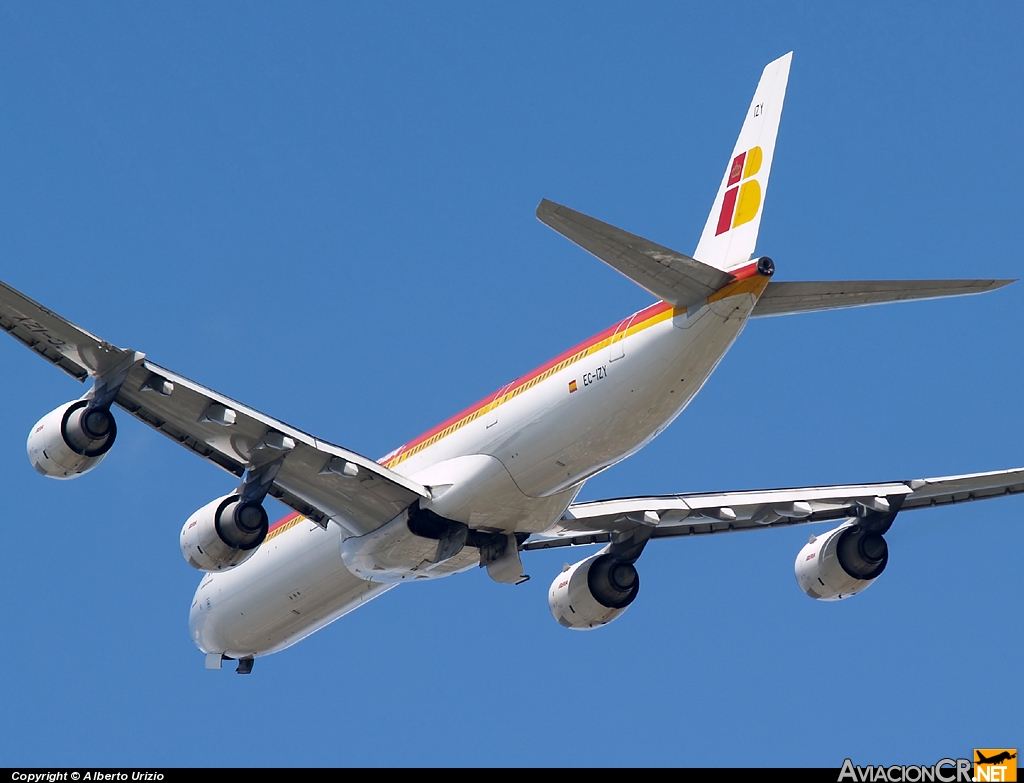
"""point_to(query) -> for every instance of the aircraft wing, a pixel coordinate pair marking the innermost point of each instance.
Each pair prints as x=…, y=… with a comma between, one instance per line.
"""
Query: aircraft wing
x=596, y=522
x=806, y=297
x=60, y=342
x=318, y=479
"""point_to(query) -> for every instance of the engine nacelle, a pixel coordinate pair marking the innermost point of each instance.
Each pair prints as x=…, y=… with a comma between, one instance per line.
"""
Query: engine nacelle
x=841, y=563
x=71, y=440
x=593, y=592
x=223, y=533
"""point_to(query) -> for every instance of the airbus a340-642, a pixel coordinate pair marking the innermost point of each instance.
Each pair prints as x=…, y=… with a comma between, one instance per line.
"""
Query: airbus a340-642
x=500, y=478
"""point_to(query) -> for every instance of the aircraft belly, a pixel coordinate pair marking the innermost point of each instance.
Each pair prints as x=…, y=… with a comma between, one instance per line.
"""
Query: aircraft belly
x=478, y=490
x=393, y=553
x=474, y=489
x=295, y=585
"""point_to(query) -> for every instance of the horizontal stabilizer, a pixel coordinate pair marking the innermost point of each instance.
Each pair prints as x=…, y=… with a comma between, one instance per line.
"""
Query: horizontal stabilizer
x=669, y=275
x=788, y=298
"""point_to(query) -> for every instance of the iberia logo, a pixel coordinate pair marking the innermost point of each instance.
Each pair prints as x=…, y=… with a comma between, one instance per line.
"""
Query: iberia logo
x=995, y=764
x=743, y=198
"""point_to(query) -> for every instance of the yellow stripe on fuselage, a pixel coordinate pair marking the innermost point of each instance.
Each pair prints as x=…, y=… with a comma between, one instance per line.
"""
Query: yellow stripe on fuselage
x=283, y=525
x=663, y=313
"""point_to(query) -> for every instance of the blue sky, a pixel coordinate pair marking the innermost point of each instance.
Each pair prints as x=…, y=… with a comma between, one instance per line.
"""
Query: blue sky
x=326, y=211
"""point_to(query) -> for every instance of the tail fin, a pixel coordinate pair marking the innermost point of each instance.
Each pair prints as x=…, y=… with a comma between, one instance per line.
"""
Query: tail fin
x=731, y=231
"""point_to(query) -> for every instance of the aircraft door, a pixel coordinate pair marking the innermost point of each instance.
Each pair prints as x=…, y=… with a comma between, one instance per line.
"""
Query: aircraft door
x=492, y=415
x=617, y=347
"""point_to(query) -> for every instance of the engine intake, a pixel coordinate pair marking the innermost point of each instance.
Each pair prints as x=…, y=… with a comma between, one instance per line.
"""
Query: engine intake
x=71, y=440
x=841, y=563
x=593, y=592
x=223, y=534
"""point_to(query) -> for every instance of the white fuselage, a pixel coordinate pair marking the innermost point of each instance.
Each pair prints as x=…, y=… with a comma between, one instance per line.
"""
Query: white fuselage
x=514, y=463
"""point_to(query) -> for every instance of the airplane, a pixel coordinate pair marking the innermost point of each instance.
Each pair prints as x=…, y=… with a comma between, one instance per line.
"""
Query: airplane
x=999, y=758
x=501, y=477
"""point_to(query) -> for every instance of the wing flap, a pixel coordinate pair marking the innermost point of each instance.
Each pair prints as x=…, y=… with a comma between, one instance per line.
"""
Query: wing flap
x=668, y=274
x=785, y=298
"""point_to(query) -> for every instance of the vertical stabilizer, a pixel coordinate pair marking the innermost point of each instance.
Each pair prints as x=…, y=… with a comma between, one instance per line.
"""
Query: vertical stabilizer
x=731, y=231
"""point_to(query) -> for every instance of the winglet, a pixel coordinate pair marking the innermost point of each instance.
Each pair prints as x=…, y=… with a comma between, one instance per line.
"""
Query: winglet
x=731, y=230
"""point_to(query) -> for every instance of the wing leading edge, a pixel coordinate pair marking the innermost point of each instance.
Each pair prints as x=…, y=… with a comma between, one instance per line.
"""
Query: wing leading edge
x=670, y=516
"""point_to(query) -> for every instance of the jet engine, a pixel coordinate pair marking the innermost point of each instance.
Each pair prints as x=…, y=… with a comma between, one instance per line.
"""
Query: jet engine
x=593, y=592
x=223, y=533
x=841, y=563
x=71, y=440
